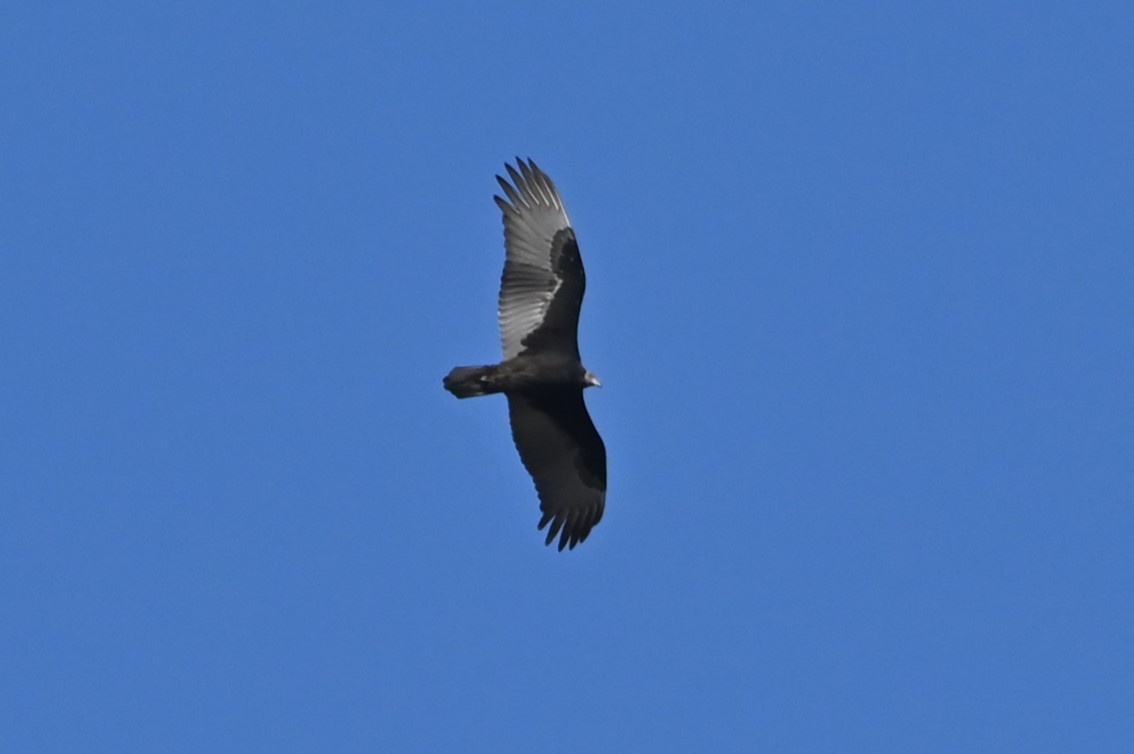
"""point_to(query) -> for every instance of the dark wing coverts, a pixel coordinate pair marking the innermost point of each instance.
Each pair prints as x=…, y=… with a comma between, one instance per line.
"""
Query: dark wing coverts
x=542, y=287
x=563, y=452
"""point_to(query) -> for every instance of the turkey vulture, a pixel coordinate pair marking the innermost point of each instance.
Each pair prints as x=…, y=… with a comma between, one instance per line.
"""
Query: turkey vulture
x=541, y=292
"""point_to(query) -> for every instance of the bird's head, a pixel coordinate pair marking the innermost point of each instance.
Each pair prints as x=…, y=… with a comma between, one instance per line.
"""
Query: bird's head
x=590, y=380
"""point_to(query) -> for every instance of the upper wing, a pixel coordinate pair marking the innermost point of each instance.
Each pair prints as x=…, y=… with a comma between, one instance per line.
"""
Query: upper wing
x=542, y=287
x=563, y=452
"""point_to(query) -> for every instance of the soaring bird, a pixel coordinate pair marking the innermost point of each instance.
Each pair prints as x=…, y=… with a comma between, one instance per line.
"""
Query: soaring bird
x=542, y=375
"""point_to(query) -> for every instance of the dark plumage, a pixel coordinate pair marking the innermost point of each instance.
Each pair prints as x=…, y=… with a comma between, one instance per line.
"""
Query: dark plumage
x=541, y=292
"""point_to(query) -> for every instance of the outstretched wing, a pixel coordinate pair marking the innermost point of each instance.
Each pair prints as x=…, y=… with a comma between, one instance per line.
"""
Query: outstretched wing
x=565, y=455
x=542, y=287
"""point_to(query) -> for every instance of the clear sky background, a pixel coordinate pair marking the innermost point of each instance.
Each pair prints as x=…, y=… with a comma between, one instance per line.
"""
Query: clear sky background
x=861, y=292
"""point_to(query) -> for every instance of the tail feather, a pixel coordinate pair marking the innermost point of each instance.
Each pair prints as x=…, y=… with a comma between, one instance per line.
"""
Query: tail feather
x=469, y=382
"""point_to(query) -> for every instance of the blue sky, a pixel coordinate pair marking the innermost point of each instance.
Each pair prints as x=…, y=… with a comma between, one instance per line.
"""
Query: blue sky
x=861, y=293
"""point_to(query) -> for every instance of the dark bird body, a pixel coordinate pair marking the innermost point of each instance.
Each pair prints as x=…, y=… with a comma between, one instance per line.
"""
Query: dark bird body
x=541, y=293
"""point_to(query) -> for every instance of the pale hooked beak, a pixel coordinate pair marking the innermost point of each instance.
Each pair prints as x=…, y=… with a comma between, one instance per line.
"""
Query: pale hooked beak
x=591, y=380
